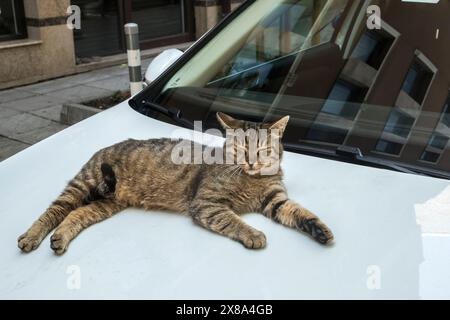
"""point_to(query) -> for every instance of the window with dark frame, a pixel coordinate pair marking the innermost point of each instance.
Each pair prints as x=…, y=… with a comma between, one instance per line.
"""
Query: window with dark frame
x=12, y=20
x=388, y=147
x=435, y=147
x=417, y=81
x=438, y=141
x=372, y=47
x=342, y=102
x=399, y=124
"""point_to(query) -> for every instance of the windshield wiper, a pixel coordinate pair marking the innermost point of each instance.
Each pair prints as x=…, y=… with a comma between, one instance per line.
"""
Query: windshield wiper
x=354, y=155
x=173, y=113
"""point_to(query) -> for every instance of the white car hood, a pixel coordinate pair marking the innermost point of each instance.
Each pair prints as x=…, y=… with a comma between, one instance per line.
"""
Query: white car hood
x=391, y=233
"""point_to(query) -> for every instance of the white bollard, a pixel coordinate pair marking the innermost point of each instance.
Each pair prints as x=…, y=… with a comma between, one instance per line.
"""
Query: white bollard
x=134, y=57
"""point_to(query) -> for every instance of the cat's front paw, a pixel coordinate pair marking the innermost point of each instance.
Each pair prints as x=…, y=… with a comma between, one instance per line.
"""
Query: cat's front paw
x=317, y=230
x=28, y=241
x=254, y=240
x=59, y=242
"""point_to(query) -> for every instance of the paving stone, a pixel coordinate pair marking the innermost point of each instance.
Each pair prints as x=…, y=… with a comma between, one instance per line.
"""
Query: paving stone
x=80, y=93
x=119, y=83
x=10, y=147
x=33, y=103
x=51, y=113
x=36, y=135
x=14, y=94
x=5, y=113
x=119, y=70
x=21, y=123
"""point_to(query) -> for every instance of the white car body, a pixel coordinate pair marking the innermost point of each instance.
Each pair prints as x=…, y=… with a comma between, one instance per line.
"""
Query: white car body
x=392, y=230
x=391, y=233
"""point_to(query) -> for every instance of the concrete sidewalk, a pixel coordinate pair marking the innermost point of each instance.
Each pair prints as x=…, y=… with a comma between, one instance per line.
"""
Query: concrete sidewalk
x=31, y=113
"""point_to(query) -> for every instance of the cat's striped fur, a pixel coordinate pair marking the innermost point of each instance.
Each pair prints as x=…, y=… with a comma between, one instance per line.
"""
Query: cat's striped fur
x=137, y=173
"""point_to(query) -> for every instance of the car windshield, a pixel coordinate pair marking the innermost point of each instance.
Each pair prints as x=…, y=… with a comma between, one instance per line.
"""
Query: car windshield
x=349, y=73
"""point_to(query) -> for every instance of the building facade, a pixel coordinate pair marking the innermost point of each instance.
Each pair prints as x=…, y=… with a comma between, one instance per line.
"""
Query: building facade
x=36, y=44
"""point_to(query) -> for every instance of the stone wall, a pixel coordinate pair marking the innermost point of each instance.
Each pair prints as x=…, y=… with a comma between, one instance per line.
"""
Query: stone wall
x=47, y=52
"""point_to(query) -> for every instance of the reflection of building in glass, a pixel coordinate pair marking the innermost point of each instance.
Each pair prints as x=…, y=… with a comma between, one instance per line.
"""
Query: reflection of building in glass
x=354, y=81
x=439, y=139
x=380, y=90
x=390, y=96
x=407, y=107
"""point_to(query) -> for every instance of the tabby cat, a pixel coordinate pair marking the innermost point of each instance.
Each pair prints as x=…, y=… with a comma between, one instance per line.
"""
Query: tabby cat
x=140, y=173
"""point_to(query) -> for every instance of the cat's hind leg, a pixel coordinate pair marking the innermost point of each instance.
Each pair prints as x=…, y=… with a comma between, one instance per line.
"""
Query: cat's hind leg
x=224, y=221
x=72, y=197
x=80, y=191
x=80, y=219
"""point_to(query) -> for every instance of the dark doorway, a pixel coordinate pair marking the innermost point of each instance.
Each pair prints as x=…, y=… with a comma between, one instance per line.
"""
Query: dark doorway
x=161, y=22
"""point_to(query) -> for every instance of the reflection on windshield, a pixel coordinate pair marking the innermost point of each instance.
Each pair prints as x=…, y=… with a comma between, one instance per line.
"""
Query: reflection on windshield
x=284, y=31
x=385, y=90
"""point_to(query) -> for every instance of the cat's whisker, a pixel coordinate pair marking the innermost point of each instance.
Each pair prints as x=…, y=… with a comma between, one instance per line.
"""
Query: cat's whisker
x=227, y=171
x=221, y=174
x=236, y=172
x=232, y=173
x=227, y=174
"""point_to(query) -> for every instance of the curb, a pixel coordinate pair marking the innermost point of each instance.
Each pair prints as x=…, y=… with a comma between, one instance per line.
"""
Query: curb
x=72, y=113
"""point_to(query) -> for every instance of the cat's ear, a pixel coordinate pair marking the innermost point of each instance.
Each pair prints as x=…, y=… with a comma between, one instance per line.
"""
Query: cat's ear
x=228, y=122
x=280, y=124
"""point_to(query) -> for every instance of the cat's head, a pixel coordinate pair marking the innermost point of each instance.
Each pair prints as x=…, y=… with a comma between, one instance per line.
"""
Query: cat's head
x=255, y=146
